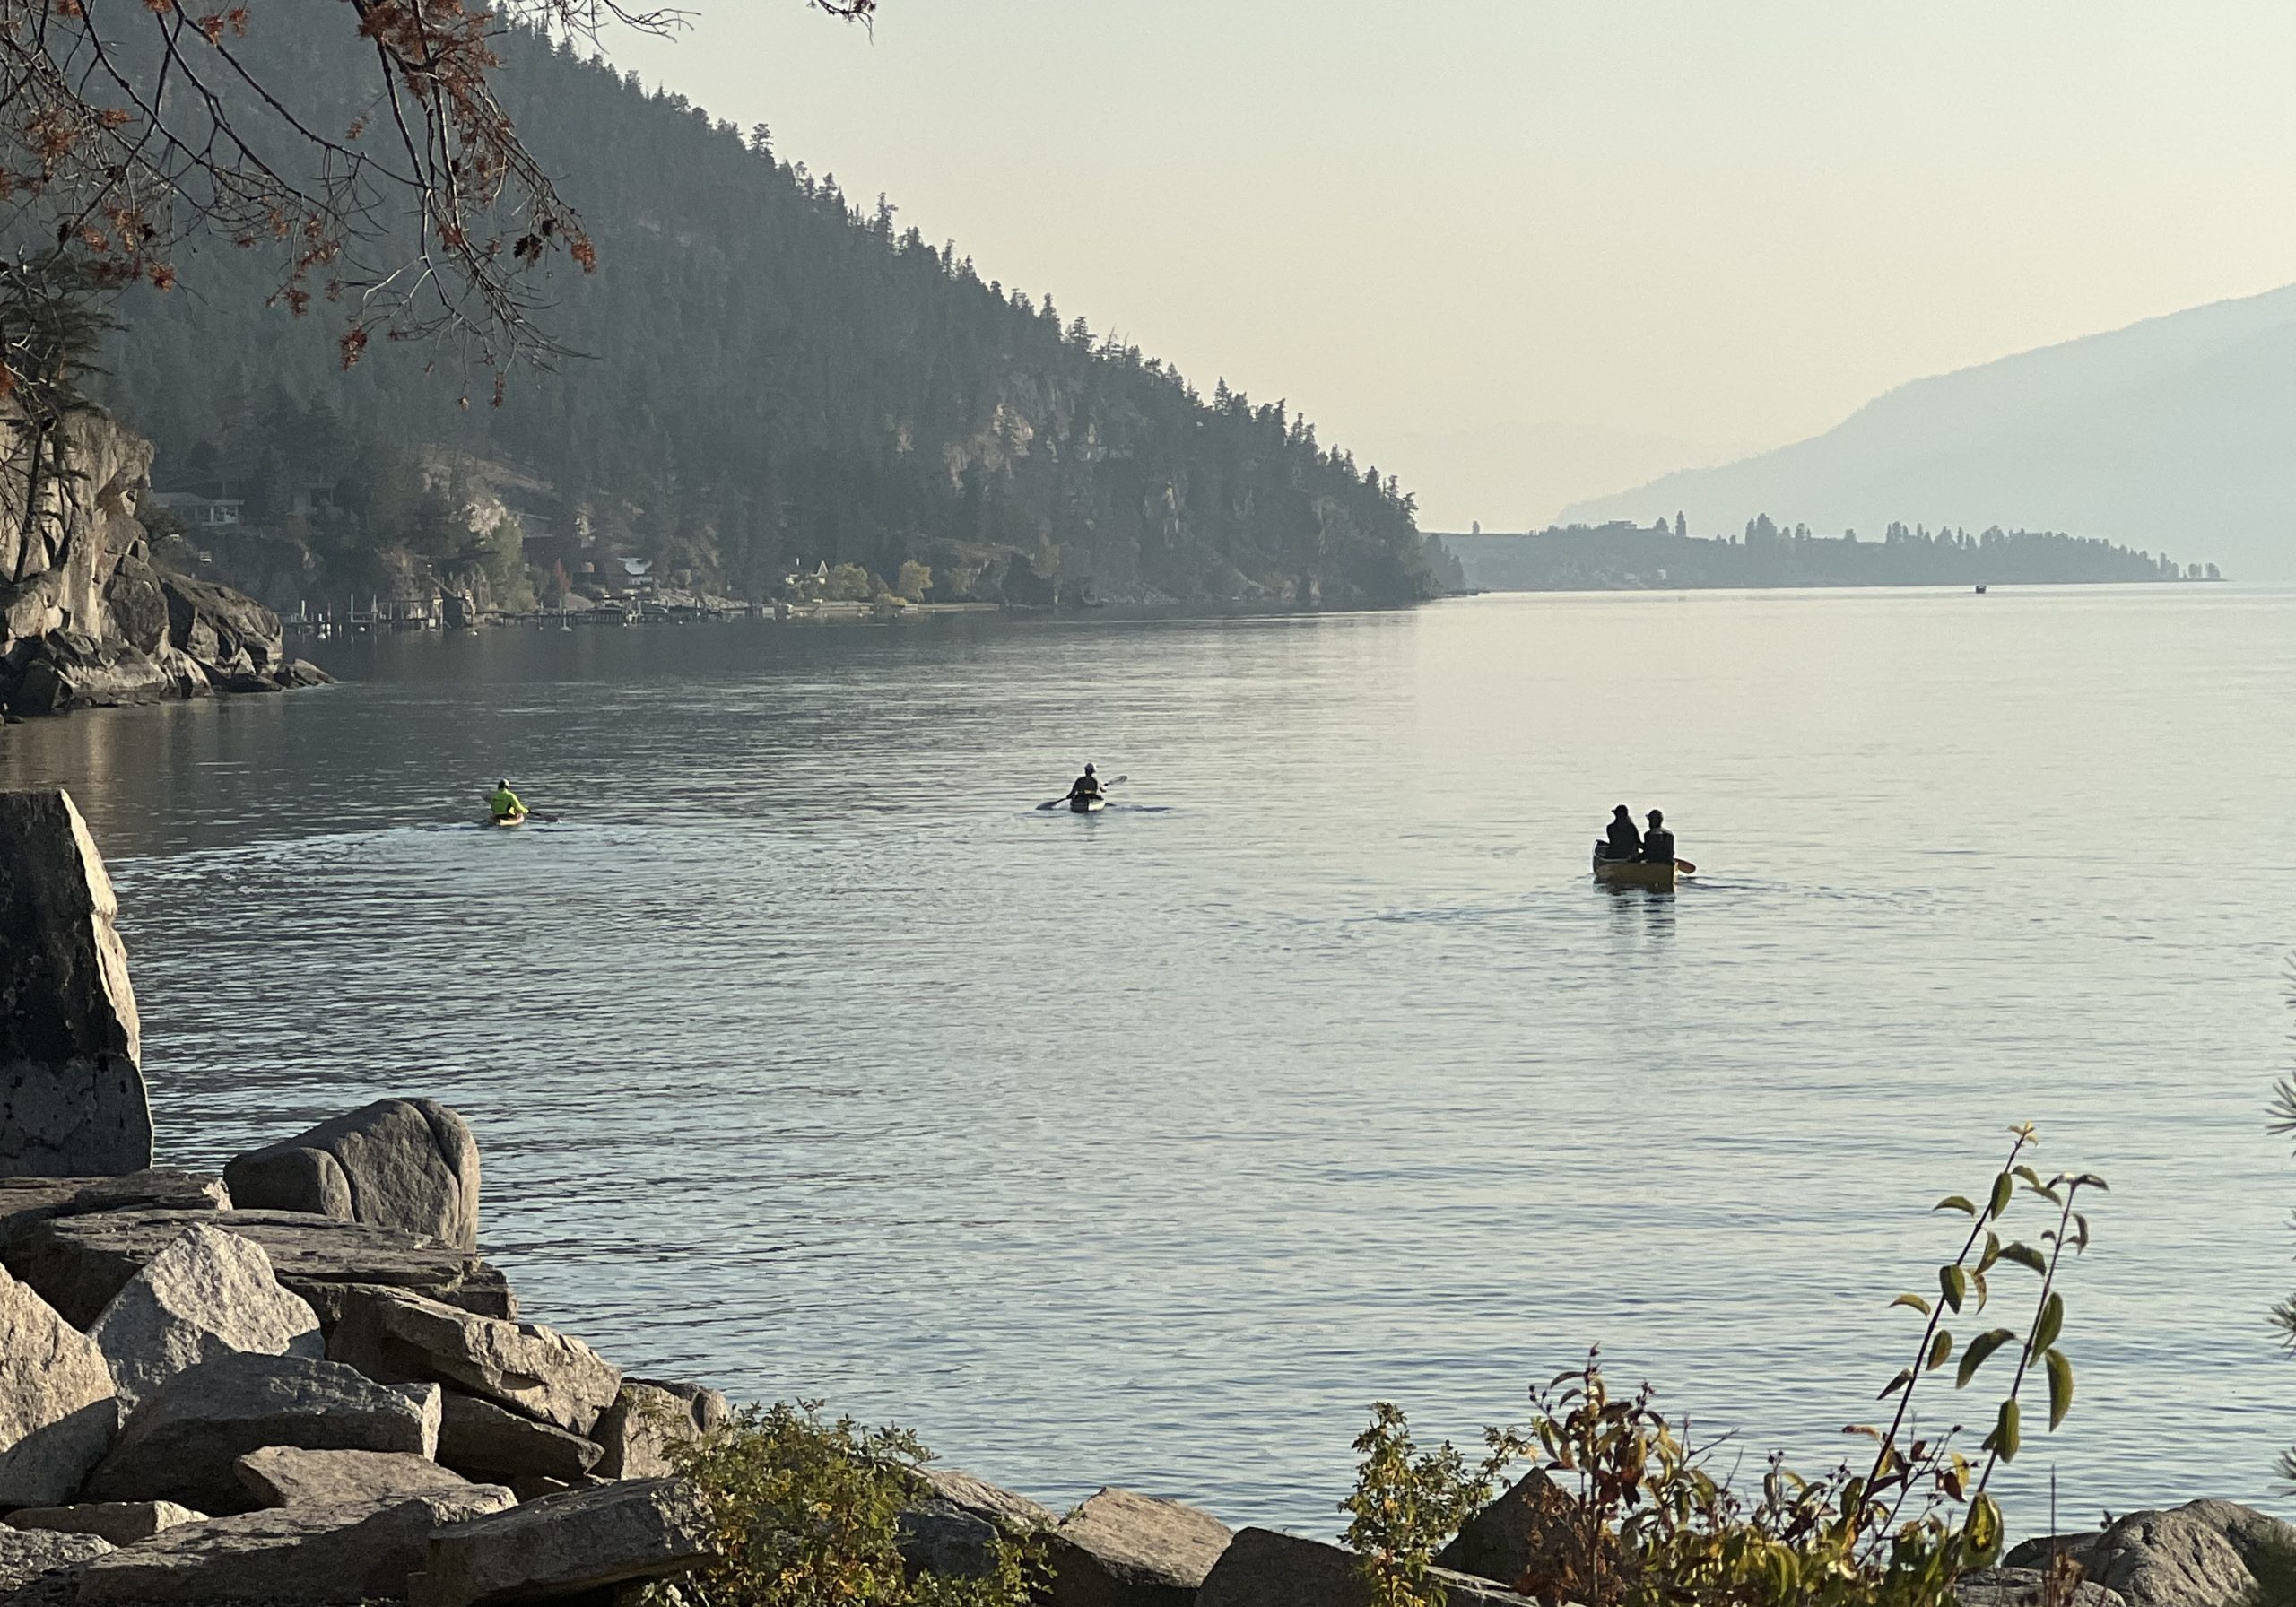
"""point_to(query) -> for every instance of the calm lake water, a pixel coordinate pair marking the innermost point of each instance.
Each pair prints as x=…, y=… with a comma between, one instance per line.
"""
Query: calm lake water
x=1150, y=1148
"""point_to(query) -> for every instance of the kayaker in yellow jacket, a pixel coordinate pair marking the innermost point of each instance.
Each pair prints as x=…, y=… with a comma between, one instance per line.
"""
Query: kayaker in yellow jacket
x=505, y=802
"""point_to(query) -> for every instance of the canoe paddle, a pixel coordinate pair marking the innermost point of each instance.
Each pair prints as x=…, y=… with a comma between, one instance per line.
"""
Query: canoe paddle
x=1056, y=802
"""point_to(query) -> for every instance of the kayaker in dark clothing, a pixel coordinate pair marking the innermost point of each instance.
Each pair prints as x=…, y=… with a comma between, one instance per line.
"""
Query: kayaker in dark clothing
x=1088, y=786
x=1625, y=841
x=1658, y=843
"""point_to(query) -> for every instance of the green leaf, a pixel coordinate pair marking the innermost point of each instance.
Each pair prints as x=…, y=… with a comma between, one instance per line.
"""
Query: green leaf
x=2050, y=1322
x=1955, y=1202
x=1916, y=1302
x=1982, y=1347
x=1940, y=1348
x=1992, y=1253
x=2030, y=1176
x=1954, y=1285
x=1904, y=1378
x=2025, y=1255
x=1984, y=1526
x=2060, y=1386
x=2003, y=1437
x=2004, y=1187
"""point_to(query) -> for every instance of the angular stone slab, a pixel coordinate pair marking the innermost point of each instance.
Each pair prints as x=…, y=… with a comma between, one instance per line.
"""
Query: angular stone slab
x=1519, y=1535
x=483, y=1441
x=283, y=1476
x=951, y=1527
x=398, y=1336
x=72, y=1097
x=79, y=1263
x=182, y=1444
x=1122, y=1549
x=287, y=1556
x=2026, y=1587
x=26, y=1554
x=1265, y=1567
x=57, y=1413
x=566, y=1544
x=647, y=1417
x=208, y=1294
x=407, y=1164
x=27, y=1202
x=122, y=1523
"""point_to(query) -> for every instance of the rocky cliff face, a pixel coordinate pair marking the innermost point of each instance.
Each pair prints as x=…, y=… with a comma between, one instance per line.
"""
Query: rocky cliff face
x=85, y=619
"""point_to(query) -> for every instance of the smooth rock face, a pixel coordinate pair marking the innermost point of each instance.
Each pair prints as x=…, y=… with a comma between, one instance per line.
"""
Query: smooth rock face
x=2025, y=1587
x=1265, y=1568
x=72, y=1099
x=581, y=1541
x=181, y=1445
x=79, y=1263
x=1519, y=1537
x=1125, y=1549
x=646, y=1418
x=25, y=1554
x=949, y=1530
x=208, y=1294
x=407, y=1164
x=122, y=1523
x=288, y=1554
x=57, y=1414
x=2197, y=1555
x=283, y=1476
x=396, y=1336
x=25, y=1202
x=481, y=1440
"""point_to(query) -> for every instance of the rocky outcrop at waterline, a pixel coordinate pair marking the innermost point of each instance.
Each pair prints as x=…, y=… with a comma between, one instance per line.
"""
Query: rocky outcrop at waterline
x=86, y=620
x=324, y=1394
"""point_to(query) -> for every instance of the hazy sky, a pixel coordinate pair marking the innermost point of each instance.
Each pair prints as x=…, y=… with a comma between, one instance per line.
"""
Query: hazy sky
x=1520, y=252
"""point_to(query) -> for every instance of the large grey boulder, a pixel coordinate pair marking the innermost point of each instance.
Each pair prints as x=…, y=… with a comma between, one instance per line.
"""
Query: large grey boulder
x=1122, y=1549
x=952, y=1527
x=25, y=1202
x=1262, y=1567
x=71, y=1096
x=57, y=1413
x=181, y=1445
x=79, y=1263
x=287, y=1556
x=25, y=1554
x=209, y=1294
x=399, y=1336
x=647, y=1417
x=566, y=1544
x=408, y=1164
x=283, y=1476
x=122, y=1523
x=483, y=1441
x=2202, y=1554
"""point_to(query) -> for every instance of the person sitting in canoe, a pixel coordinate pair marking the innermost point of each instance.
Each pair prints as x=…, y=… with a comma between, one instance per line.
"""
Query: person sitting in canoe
x=505, y=802
x=1625, y=841
x=1087, y=787
x=1657, y=843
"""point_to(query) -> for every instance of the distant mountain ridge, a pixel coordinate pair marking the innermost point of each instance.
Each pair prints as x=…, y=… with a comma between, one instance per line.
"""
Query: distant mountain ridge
x=2171, y=435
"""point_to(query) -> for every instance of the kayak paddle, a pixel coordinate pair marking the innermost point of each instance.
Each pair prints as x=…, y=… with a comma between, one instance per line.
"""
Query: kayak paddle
x=1056, y=802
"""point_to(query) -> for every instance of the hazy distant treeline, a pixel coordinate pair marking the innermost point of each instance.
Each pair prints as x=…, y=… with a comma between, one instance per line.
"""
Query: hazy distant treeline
x=1623, y=556
x=762, y=375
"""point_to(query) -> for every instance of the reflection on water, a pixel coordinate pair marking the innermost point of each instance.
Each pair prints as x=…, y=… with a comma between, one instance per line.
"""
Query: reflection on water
x=1148, y=1148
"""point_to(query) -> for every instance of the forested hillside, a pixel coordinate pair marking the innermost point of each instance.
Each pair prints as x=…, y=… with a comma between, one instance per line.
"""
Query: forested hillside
x=768, y=376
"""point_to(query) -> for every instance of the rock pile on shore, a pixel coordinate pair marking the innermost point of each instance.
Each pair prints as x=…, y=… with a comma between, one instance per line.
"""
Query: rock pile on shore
x=87, y=620
x=300, y=1382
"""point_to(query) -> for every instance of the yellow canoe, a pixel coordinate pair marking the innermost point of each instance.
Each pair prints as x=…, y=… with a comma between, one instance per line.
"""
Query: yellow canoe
x=1657, y=874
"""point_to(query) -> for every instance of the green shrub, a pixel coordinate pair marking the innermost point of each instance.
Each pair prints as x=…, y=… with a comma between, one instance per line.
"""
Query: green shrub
x=1644, y=1524
x=807, y=1514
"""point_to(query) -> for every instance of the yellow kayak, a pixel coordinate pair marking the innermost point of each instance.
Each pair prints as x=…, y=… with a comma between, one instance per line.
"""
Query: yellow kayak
x=506, y=819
